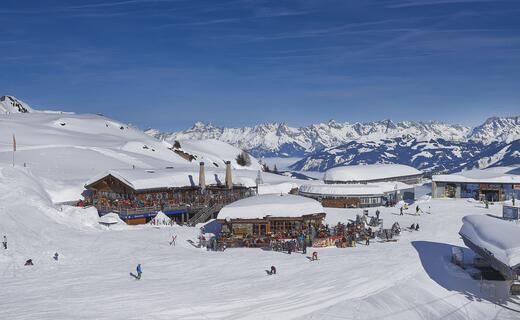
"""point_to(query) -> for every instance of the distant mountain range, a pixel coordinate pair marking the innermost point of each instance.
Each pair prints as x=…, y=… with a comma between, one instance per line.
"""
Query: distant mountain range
x=430, y=146
x=434, y=155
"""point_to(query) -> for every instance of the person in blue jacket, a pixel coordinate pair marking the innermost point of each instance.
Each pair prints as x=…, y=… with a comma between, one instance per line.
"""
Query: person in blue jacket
x=139, y=271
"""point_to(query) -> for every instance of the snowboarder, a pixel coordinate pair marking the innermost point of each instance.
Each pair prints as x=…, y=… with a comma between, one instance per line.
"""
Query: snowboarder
x=273, y=270
x=174, y=237
x=29, y=262
x=401, y=211
x=139, y=271
x=55, y=256
x=4, y=243
x=314, y=256
x=417, y=227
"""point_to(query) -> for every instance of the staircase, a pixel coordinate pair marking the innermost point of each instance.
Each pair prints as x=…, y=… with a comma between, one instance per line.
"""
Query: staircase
x=204, y=214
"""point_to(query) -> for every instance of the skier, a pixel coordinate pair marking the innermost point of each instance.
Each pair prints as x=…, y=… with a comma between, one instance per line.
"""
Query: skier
x=417, y=227
x=4, y=243
x=417, y=210
x=487, y=204
x=412, y=227
x=29, y=262
x=377, y=214
x=304, y=247
x=139, y=271
x=173, y=240
x=367, y=240
x=401, y=211
x=55, y=256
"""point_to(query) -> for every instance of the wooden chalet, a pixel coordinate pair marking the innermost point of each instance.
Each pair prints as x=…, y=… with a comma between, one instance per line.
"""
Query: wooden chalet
x=269, y=216
x=138, y=195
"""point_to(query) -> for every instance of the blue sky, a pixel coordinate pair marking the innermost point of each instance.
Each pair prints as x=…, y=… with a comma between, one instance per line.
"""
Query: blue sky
x=169, y=63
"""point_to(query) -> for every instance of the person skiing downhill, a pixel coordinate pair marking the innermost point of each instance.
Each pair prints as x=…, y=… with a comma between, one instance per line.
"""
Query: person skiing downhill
x=401, y=211
x=174, y=237
x=139, y=271
x=4, y=243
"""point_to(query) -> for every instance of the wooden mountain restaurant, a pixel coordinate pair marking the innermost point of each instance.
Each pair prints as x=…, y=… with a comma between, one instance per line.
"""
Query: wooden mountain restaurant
x=137, y=195
x=270, y=216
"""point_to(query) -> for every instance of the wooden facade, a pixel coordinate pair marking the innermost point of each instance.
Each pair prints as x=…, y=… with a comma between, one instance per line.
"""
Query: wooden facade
x=270, y=226
x=109, y=194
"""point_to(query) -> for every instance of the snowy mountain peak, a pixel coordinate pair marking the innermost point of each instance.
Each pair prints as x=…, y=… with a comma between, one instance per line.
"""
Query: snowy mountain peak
x=10, y=104
x=504, y=129
x=280, y=139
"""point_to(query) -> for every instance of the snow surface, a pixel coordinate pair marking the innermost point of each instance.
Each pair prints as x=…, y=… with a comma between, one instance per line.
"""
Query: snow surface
x=500, y=237
x=369, y=172
x=274, y=205
x=409, y=279
x=509, y=174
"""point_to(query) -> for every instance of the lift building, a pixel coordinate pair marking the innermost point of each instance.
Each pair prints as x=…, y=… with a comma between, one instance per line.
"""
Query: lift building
x=492, y=184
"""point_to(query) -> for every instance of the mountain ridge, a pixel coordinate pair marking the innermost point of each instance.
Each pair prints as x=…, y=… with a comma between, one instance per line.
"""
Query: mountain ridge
x=277, y=139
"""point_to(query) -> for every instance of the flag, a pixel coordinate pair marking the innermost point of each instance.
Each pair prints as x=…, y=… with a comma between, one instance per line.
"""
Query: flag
x=14, y=143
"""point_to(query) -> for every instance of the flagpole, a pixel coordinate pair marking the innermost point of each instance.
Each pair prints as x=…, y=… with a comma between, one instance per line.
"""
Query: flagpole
x=14, y=147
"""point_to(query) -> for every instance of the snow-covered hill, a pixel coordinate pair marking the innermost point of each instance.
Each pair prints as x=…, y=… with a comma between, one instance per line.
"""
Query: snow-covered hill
x=66, y=150
x=10, y=104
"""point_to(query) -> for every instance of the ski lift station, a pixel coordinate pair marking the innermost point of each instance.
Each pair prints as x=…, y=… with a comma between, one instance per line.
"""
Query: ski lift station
x=362, y=186
x=492, y=184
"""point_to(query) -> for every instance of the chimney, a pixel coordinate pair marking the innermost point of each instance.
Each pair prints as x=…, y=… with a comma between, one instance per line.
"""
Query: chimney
x=202, y=176
x=229, y=180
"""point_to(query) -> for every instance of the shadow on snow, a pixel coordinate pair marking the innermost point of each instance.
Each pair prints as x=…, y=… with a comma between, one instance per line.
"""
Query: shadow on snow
x=436, y=261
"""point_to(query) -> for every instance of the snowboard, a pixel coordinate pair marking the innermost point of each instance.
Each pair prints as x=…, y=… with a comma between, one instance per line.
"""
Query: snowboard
x=134, y=276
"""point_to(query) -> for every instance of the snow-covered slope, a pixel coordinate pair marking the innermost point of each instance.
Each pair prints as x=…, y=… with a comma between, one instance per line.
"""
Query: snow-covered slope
x=66, y=150
x=91, y=278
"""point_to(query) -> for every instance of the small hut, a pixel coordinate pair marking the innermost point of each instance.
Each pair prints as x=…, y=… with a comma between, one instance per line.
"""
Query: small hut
x=265, y=217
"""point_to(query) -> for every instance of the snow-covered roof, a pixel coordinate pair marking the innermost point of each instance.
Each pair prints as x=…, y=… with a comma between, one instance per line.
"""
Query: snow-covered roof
x=377, y=189
x=489, y=175
x=500, y=237
x=144, y=179
x=369, y=172
x=274, y=205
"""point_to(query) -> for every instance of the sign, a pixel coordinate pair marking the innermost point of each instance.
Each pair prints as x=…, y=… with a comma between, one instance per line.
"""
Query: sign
x=242, y=228
x=490, y=186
